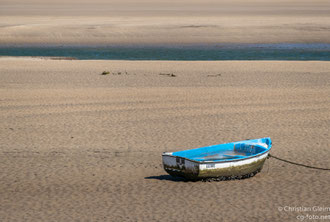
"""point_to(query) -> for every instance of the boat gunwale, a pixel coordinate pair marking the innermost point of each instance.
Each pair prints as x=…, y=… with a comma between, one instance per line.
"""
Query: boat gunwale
x=224, y=160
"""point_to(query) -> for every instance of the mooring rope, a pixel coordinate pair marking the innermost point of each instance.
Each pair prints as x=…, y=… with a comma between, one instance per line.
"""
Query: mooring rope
x=298, y=164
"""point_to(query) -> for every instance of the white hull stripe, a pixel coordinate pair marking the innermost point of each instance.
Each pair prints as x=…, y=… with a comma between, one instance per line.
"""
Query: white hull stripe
x=217, y=165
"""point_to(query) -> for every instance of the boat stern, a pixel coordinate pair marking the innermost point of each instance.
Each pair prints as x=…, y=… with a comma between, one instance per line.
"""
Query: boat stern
x=180, y=167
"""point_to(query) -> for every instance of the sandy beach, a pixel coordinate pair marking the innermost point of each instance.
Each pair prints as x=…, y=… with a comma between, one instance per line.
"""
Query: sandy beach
x=102, y=22
x=80, y=146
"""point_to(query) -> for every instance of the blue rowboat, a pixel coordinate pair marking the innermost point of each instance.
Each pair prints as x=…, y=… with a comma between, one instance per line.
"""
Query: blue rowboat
x=231, y=160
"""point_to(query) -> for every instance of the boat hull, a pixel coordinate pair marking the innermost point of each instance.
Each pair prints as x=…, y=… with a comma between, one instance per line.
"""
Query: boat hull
x=194, y=170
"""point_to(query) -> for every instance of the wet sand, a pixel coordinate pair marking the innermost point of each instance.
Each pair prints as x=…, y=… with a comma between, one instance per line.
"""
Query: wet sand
x=78, y=145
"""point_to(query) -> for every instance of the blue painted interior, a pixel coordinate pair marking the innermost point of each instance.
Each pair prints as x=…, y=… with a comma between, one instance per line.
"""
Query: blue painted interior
x=228, y=151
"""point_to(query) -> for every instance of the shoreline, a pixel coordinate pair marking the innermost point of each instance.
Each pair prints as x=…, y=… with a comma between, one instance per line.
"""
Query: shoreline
x=57, y=58
x=48, y=58
x=316, y=44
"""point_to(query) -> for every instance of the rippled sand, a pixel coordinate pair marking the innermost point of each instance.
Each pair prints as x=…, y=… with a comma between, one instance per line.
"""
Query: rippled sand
x=76, y=145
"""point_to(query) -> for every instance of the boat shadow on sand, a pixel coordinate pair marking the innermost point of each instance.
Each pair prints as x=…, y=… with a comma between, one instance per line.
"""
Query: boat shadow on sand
x=182, y=179
x=167, y=177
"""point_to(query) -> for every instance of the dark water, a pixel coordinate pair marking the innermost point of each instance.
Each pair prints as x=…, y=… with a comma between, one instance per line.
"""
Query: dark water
x=281, y=51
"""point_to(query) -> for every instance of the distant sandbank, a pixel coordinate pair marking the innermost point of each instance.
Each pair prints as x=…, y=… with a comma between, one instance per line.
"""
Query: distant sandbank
x=163, y=22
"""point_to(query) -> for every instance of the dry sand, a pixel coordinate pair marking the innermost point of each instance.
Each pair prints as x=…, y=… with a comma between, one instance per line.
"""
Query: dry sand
x=76, y=145
x=67, y=22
